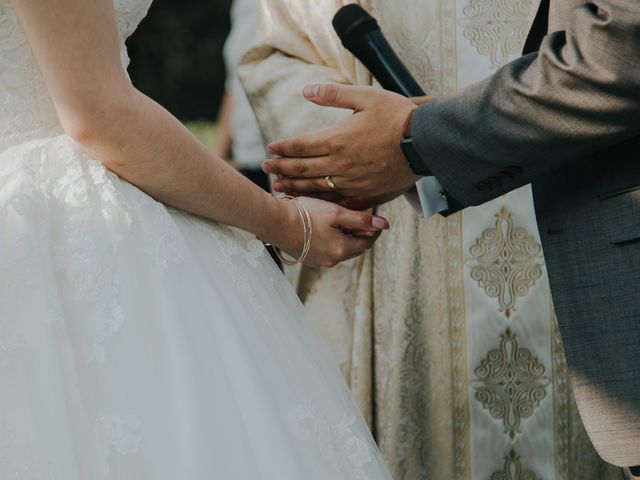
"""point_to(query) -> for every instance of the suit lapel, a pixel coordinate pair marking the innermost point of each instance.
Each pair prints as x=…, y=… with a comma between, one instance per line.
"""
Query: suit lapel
x=539, y=27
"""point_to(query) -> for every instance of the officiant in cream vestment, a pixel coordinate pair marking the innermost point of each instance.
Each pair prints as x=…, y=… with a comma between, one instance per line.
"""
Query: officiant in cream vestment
x=445, y=331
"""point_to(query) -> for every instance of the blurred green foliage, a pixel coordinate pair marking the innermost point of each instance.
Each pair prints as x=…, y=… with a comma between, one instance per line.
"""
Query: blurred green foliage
x=206, y=132
x=176, y=56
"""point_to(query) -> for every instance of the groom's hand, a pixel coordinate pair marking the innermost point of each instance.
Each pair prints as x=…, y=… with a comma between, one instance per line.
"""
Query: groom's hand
x=361, y=155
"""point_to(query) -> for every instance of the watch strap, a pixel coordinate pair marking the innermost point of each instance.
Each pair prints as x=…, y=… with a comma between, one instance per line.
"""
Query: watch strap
x=415, y=161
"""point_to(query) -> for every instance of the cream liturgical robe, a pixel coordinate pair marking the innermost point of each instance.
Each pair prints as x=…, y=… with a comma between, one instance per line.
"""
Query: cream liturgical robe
x=445, y=331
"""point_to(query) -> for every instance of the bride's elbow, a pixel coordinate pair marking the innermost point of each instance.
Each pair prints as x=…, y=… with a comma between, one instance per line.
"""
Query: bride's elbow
x=99, y=121
x=83, y=130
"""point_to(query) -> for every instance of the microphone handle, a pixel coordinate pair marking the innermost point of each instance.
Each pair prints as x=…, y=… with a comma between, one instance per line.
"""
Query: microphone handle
x=376, y=54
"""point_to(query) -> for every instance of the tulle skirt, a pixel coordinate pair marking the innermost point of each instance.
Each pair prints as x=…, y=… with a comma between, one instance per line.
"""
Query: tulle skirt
x=141, y=343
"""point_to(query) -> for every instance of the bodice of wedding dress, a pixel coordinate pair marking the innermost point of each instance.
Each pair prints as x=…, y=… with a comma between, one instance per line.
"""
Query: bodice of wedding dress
x=26, y=109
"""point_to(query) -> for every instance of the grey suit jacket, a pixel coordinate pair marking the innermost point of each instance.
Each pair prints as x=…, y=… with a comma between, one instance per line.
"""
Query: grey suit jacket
x=566, y=117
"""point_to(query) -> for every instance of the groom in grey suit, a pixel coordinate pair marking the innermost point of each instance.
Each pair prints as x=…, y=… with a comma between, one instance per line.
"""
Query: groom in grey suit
x=564, y=117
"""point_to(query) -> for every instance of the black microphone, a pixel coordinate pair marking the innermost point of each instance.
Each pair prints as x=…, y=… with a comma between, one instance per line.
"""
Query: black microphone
x=361, y=35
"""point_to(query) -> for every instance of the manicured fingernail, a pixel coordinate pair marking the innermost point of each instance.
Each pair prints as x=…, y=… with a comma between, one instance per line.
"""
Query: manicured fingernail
x=379, y=223
x=266, y=167
x=311, y=91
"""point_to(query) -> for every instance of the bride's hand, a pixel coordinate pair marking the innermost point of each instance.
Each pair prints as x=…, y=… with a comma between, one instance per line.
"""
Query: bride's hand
x=334, y=238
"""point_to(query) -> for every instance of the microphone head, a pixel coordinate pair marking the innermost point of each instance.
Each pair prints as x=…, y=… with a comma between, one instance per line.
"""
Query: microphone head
x=351, y=22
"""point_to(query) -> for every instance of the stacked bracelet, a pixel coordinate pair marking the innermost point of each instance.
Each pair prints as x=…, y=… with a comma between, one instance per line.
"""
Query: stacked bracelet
x=308, y=232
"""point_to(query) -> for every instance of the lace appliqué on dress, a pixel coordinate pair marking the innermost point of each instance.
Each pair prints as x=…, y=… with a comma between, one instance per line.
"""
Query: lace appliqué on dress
x=60, y=190
x=122, y=434
x=25, y=105
x=344, y=449
x=235, y=249
x=17, y=462
x=10, y=347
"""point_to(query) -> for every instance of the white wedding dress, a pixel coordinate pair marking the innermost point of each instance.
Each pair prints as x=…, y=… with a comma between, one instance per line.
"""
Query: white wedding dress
x=138, y=342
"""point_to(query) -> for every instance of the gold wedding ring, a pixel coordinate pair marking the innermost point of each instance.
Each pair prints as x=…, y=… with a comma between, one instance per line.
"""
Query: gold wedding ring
x=330, y=183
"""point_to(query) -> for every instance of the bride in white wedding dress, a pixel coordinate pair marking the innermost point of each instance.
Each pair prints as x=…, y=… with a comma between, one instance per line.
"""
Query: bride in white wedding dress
x=137, y=341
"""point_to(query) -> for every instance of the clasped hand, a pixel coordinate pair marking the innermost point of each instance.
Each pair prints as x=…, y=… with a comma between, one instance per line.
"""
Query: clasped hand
x=358, y=162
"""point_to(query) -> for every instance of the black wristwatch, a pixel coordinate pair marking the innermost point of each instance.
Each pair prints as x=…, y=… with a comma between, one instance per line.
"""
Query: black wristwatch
x=416, y=164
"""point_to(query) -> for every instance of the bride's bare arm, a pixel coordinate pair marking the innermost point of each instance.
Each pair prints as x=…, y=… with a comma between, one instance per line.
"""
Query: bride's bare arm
x=77, y=47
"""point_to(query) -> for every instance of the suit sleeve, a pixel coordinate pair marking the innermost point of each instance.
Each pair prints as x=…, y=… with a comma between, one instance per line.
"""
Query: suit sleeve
x=579, y=94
